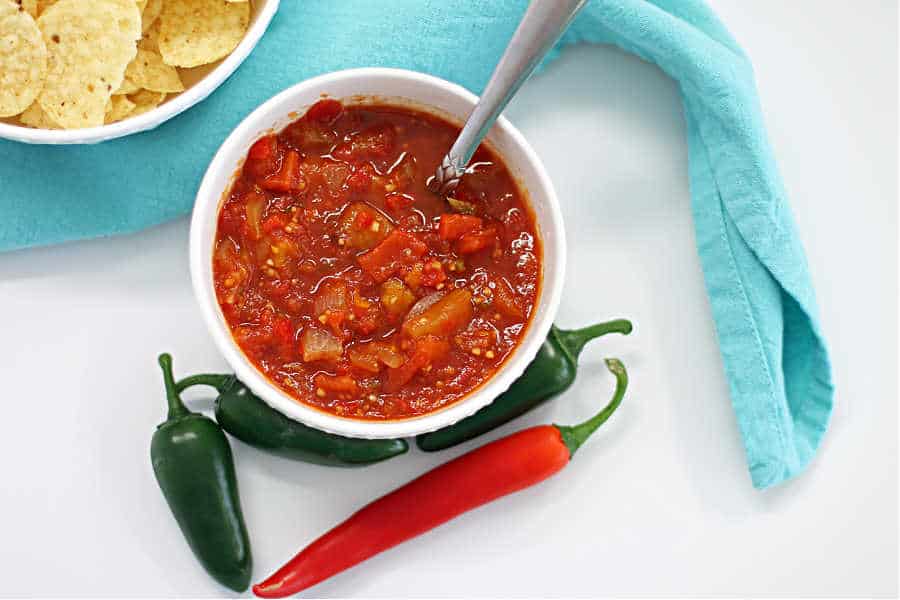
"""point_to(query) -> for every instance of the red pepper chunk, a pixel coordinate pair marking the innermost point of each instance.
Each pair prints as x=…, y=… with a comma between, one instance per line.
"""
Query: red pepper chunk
x=363, y=220
x=342, y=386
x=287, y=178
x=385, y=259
x=476, y=241
x=396, y=202
x=283, y=331
x=274, y=222
x=453, y=226
x=428, y=349
x=325, y=111
x=433, y=274
x=263, y=148
x=361, y=178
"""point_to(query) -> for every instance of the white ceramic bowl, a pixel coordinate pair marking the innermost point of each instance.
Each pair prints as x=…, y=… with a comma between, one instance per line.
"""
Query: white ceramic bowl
x=200, y=83
x=397, y=87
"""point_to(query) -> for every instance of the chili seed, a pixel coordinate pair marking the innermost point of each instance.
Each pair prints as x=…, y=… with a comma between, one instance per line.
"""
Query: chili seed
x=489, y=354
x=476, y=351
x=320, y=392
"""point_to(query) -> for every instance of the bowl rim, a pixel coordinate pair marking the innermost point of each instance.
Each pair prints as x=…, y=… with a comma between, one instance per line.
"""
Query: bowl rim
x=219, y=175
x=162, y=113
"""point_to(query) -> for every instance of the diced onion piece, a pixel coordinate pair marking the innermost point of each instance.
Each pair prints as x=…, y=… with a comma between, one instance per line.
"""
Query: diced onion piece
x=505, y=300
x=332, y=295
x=424, y=303
x=362, y=357
x=370, y=356
x=388, y=354
x=254, y=205
x=443, y=318
x=320, y=344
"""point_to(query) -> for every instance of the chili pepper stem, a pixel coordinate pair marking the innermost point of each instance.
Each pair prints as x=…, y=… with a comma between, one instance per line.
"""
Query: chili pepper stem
x=219, y=382
x=176, y=406
x=575, y=435
x=574, y=340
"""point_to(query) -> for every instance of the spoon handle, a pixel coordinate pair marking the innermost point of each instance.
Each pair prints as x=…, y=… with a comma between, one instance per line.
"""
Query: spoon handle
x=543, y=24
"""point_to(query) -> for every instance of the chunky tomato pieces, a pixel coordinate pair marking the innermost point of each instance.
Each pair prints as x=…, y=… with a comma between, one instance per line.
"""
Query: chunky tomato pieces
x=353, y=287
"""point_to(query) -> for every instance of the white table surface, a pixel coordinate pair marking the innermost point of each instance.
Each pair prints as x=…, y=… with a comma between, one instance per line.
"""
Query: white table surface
x=658, y=504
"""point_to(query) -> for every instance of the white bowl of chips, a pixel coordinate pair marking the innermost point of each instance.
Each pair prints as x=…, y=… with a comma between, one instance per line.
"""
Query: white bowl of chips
x=86, y=71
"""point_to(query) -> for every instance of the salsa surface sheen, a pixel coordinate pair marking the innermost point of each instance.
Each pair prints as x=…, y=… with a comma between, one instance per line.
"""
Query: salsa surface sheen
x=353, y=287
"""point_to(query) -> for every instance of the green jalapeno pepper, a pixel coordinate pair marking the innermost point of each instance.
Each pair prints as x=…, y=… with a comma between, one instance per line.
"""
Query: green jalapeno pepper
x=249, y=419
x=195, y=469
x=551, y=372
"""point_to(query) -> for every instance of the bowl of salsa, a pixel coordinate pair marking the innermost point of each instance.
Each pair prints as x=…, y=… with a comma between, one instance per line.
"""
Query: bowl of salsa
x=340, y=289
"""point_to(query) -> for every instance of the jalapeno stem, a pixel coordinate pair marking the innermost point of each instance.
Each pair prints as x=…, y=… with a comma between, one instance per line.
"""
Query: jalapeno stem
x=176, y=406
x=575, y=340
x=574, y=436
x=219, y=382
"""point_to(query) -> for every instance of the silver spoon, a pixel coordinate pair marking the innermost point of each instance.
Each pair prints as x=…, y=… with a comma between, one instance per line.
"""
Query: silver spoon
x=543, y=24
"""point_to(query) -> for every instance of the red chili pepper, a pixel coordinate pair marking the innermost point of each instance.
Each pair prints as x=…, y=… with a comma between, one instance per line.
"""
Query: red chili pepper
x=484, y=474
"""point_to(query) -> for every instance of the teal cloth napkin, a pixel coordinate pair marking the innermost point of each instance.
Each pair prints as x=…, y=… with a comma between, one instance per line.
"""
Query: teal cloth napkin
x=755, y=269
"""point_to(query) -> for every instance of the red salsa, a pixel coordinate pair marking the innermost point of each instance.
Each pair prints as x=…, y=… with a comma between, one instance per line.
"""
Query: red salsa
x=353, y=287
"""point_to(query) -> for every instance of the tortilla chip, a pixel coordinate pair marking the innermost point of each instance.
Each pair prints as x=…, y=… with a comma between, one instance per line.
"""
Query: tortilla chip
x=89, y=46
x=144, y=101
x=148, y=71
x=150, y=41
x=23, y=59
x=150, y=13
x=30, y=6
x=118, y=108
x=34, y=116
x=198, y=32
x=127, y=87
